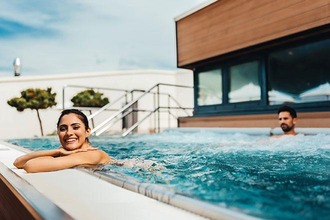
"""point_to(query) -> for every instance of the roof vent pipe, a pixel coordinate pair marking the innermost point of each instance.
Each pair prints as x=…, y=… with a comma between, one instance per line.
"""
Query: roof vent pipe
x=17, y=66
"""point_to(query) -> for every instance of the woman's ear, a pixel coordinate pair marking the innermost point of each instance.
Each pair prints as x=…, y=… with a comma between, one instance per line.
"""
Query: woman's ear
x=88, y=131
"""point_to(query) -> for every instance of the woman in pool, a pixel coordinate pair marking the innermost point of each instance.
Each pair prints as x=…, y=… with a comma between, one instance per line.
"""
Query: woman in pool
x=73, y=131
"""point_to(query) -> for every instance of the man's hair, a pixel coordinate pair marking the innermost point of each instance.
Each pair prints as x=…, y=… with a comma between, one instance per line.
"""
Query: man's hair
x=286, y=108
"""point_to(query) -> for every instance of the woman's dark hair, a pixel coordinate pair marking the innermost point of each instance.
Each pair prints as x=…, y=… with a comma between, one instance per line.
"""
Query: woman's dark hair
x=79, y=114
x=286, y=108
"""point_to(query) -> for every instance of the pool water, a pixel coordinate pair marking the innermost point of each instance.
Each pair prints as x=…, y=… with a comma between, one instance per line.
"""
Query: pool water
x=270, y=178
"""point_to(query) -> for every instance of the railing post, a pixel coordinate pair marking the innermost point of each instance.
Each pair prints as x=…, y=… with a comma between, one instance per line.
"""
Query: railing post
x=158, y=107
x=63, y=97
x=169, y=110
x=155, y=117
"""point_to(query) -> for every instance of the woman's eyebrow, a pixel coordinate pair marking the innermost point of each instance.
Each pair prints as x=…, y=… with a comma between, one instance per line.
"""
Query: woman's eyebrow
x=77, y=123
x=73, y=124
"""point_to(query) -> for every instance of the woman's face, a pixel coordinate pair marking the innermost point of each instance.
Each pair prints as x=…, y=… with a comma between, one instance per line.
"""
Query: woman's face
x=72, y=132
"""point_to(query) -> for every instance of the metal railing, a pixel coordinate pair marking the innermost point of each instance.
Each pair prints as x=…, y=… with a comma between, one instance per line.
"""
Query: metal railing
x=128, y=98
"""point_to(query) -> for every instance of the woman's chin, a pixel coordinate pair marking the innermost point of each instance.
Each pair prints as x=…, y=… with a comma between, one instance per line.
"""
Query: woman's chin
x=70, y=147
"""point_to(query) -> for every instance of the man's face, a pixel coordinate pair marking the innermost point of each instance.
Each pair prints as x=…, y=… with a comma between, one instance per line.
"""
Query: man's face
x=285, y=121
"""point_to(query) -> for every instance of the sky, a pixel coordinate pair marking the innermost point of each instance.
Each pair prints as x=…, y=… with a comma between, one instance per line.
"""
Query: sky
x=72, y=36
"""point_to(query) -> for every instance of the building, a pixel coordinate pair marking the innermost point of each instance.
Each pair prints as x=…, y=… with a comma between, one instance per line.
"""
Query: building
x=250, y=57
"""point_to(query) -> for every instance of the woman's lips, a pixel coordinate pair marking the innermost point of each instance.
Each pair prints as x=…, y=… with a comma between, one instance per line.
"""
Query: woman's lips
x=70, y=140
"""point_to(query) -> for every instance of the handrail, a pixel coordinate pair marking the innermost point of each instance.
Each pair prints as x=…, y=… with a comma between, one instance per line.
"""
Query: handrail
x=105, y=107
x=128, y=131
x=128, y=105
x=138, y=123
x=103, y=126
x=125, y=110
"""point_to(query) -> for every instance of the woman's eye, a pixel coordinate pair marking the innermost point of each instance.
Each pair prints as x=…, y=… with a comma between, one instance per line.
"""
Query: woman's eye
x=76, y=127
x=62, y=129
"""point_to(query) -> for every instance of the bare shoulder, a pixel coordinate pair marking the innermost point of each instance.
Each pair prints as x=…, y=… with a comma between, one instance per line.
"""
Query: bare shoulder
x=98, y=156
x=91, y=157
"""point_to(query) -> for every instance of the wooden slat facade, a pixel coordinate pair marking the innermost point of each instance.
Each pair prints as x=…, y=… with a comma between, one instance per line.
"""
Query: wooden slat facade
x=229, y=25
x=305, y=120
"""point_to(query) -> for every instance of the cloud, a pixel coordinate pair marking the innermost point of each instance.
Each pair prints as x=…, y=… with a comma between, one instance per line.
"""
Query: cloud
x=80, y=36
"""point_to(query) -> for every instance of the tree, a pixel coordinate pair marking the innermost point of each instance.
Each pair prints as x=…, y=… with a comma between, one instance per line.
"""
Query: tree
x=34, y=99
x=89, y=98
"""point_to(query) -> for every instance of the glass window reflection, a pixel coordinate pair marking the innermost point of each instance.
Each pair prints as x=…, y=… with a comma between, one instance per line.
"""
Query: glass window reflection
x=209, y=88
x=244, y=82
x=300, y=74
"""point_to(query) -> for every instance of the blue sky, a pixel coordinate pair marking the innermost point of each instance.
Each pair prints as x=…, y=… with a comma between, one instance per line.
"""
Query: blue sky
x=70, y=36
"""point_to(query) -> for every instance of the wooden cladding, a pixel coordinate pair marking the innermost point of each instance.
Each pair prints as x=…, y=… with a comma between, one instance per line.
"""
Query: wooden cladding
x=229, y=25
x=305, y=120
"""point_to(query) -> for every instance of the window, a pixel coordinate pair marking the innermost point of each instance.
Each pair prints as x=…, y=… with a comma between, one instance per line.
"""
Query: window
x=209, y=88
x=300, y=74
x=244, y=82
x=283, y=74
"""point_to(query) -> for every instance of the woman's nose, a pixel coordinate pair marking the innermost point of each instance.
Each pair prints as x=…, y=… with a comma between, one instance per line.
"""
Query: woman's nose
x=69, y=131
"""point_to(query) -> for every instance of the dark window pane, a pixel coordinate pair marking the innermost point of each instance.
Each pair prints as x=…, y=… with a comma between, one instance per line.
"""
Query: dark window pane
x=300, y=74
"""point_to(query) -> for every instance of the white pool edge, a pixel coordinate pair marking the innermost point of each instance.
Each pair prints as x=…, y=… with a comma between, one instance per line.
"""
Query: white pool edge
x=168, y=196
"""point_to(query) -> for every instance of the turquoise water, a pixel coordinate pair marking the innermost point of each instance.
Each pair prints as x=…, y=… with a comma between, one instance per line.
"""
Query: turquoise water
x=270, y=178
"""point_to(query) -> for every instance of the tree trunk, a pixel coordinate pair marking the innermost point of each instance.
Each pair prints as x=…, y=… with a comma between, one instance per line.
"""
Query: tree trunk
x=40, y=123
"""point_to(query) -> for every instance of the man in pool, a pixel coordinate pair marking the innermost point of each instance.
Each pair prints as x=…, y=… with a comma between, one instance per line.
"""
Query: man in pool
x=287, y=118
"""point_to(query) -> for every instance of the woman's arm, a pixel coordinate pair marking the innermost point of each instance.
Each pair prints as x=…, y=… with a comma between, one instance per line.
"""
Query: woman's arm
x=21, y=161
x=45, y=164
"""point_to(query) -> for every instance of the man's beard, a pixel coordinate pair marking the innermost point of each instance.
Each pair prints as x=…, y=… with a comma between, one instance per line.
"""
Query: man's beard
x=286, y=127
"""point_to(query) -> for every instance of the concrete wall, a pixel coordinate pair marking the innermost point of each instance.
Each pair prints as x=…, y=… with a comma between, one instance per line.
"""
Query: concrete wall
x=16, y=124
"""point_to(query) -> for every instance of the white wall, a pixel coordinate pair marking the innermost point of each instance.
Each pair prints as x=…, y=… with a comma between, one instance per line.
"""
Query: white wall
x=16, y=124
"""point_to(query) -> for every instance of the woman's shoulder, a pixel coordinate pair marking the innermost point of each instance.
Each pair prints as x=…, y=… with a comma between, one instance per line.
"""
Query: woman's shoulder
x=103, y=156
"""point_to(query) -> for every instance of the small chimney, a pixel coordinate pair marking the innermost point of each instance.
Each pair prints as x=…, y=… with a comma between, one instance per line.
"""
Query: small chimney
x=17, y=66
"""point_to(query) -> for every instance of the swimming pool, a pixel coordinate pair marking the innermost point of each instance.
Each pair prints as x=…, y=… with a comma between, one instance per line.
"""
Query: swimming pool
x=270, y=178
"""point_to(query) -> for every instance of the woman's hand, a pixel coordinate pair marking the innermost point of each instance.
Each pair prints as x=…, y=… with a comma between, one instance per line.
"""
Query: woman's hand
x=64, y=152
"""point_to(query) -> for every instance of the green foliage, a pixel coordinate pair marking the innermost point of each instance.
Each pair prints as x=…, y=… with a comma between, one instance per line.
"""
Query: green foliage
x=33, y=99
x=89, y=98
